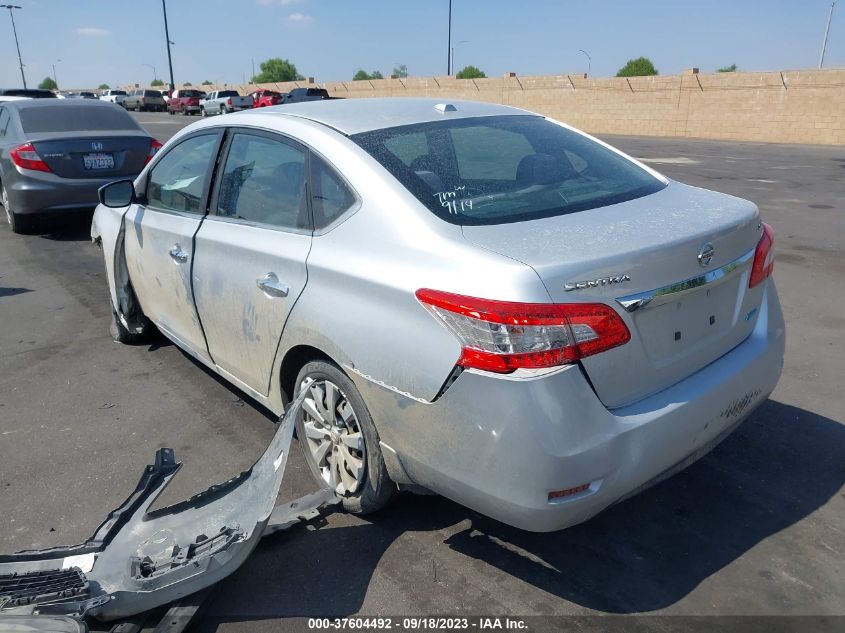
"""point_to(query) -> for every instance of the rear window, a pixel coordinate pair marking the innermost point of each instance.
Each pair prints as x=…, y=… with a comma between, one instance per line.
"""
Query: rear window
x=152, y=93
x=227, y=93
x=189, y=93
x=55, y=118
x=495, y=170
x=117, y=92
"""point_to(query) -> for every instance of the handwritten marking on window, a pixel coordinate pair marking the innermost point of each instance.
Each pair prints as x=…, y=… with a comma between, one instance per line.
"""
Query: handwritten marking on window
x=449, y=200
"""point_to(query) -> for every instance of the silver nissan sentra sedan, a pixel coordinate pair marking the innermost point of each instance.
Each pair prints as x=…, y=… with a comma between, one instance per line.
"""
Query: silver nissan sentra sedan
x=480, y=301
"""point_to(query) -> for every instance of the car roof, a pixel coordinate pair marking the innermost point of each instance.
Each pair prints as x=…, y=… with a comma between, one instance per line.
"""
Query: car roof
x=353, y=116
x=61, y=103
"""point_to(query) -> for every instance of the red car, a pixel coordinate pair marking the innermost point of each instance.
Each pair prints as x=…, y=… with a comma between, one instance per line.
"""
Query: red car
x=264, y=98
x=184, y=102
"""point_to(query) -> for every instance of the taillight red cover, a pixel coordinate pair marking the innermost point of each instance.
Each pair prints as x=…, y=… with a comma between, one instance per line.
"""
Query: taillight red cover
x=229, y=101
x=154, y=147
x=764, y=257
x=502, y=336
x=25, y=157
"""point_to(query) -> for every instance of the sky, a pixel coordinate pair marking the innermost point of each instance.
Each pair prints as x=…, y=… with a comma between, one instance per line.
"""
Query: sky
x=117, y=41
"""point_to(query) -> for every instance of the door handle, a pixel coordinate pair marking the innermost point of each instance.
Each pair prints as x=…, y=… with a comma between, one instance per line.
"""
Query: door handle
x=272, y=287
x=178, y=255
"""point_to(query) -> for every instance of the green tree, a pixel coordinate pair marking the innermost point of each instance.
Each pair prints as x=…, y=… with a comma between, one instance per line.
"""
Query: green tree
x=727, y=69
x=275, y=70
x=400, y=71
x=639, y=67
x=103, y=87
x=471, y=72
x=48, y=84
x=187, y=83
x=156, y=82
x=207, y=83
x=364, y=75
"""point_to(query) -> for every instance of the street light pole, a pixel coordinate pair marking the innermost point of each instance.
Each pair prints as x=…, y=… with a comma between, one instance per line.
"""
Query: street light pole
x=15, y=31
x=589, y=60
x=155, y=74
x=826, y=33
x=55, y=79
x=449, y=43
x=167, y=37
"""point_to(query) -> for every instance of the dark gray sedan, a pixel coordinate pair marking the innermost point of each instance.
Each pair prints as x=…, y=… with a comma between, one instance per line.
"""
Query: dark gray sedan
x=55, y=155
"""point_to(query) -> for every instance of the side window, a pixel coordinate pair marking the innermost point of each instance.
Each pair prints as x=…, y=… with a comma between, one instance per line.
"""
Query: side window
x=489, y=153
x=330, y=196
x=177, y=181
x=4, y=121
x=264, y=181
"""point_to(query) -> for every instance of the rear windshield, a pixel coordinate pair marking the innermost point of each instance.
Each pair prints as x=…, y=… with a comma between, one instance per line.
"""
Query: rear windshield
x=495, y=170
x=189, y=93
x=152, y=93
x=117, y=92
x=55, y=118
x=227, y=93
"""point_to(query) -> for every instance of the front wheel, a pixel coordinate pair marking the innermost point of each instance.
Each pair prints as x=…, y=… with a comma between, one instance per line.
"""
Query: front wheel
x=339, y=439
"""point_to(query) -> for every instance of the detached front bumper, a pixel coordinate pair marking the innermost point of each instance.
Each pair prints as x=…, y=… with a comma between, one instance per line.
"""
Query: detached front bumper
x=500, y=445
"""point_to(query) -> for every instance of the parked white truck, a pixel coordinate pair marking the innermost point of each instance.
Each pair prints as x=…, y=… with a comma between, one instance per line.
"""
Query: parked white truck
x=113, y=96
x=223, y=101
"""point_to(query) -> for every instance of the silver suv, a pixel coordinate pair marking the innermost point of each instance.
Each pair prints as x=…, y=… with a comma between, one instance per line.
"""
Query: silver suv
x=478, y=300
x=141, y=100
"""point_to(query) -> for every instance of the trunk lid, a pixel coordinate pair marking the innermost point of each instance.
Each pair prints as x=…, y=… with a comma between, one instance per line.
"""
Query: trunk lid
x=642, y=258
x=82, y=155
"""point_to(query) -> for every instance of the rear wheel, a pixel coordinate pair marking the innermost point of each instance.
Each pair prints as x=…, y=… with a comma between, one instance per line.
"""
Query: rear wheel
x=339, y=439
x=222, y=109
x=18, y=223
x=203, y=113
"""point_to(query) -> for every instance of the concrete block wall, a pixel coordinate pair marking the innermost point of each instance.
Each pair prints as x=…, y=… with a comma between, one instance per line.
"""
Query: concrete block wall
x=802, y=106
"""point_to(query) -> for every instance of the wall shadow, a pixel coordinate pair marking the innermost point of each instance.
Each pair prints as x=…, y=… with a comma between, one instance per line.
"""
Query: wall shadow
x=644, y=554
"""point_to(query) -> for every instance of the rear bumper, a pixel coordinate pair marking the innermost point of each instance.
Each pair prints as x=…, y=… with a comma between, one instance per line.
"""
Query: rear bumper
x=37, y=192
x=500, y=445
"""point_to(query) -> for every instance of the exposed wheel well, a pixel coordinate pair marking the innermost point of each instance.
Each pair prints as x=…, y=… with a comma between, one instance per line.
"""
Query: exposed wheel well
x=294, y=360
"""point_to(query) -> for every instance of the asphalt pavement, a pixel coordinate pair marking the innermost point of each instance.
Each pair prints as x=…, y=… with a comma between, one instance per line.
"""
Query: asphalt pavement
x=754, y=528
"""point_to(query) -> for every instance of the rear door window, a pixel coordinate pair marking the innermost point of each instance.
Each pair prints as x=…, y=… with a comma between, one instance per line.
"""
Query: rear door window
x=330, y=195
x=263, y=182
x=5, y=119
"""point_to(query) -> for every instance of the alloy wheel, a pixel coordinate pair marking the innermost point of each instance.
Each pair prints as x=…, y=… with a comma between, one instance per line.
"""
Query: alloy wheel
x=333, y=436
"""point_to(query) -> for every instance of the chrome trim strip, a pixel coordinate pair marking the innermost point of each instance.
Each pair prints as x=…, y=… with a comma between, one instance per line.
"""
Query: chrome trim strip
x=659, y=296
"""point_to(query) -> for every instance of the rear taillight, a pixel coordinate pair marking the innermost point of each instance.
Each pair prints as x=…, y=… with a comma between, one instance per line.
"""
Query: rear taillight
x=764, y=257
x=229, y=101
x=25, y=157
x=154, y=147
x=502, y=336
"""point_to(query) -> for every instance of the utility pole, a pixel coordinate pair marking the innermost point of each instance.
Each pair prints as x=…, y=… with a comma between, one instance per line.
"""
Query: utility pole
x=167, y=38
x=449, y=43
x=826, y=33
x=15, y=31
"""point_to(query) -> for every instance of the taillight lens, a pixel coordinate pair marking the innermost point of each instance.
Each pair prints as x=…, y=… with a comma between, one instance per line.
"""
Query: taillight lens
x=764, y=257
x=229, y=101
x=154, y=147
x=502, y=336
x=25, y=157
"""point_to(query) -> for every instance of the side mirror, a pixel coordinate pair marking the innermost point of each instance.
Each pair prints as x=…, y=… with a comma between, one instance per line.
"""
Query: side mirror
x=118, y=194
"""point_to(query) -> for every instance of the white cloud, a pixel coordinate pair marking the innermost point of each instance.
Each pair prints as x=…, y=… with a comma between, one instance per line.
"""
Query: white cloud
x=92, y=31
x=299, y=18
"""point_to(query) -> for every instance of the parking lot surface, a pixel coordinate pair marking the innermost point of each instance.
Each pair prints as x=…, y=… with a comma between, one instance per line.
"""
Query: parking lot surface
x=756, y=527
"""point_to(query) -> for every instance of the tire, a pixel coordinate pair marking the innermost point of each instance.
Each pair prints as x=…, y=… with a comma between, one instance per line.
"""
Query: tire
x=170, y=112
x=372, y=488
x=184, y=112
x=223, y=110
x=203, y=113
x=20, y=224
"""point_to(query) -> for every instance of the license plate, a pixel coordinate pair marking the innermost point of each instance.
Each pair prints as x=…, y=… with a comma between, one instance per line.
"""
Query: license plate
x=98, y=161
